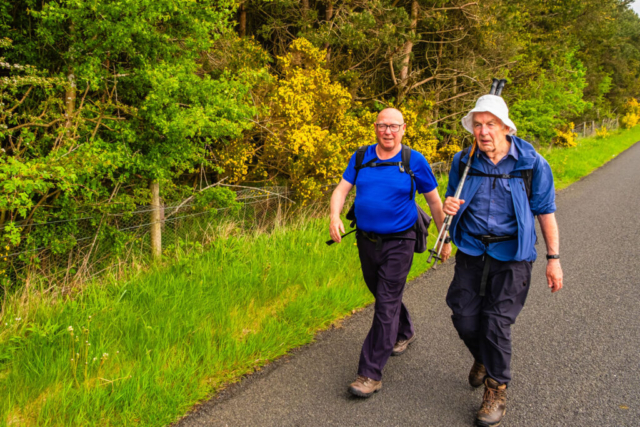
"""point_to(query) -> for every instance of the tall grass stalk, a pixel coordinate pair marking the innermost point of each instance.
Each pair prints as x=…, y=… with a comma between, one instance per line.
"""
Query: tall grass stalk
x=142, y=351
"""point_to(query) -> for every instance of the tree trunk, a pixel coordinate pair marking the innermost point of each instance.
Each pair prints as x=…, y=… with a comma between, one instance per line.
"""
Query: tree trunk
x=156, y=224
x=242, y=24
x=70, y=93
x=328, y=15
x=406, y=51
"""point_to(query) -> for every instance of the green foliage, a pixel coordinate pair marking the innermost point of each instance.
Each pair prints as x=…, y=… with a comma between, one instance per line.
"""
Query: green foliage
x=552, y=99
x=101, y=98
x=111, y=96
x=174, y=335
x=572, y=163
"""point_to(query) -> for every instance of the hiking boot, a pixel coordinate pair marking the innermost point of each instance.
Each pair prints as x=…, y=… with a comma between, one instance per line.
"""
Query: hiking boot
x=494, y=404
x=401, y=345
x=364, y=387
x=477, y=374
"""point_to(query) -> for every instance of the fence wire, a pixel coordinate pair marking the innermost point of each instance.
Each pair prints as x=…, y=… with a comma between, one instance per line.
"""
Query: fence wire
x=587, y=129
x=77, y=250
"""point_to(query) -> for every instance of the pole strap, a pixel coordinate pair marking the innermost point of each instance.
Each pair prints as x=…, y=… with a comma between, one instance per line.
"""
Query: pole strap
x=331, y=242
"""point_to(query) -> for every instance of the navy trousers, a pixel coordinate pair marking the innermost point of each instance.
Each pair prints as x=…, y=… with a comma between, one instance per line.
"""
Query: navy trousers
x=484, y=323
x=385, y=271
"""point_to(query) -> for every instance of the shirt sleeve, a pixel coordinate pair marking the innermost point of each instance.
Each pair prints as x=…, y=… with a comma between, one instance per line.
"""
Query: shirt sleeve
x=425, y=180
x=454, y=175
x=349, y=174
x=543, y=194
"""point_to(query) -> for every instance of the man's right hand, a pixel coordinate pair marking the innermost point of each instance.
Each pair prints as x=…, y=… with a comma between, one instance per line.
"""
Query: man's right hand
x=336, y=229
x=452, y=205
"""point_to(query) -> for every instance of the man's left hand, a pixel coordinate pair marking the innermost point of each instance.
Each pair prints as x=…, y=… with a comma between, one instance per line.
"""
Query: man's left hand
x=554, y=275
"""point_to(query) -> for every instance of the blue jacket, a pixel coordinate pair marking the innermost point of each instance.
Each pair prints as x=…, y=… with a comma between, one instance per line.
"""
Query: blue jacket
x=542, y=196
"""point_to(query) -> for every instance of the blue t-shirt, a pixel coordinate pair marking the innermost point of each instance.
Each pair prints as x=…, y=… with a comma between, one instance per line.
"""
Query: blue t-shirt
x=383, y=201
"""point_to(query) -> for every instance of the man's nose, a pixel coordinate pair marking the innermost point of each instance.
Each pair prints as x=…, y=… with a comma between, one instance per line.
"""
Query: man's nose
x=387, y=130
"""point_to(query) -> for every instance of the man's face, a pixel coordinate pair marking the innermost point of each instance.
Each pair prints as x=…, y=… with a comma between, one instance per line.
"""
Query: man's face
x=389, y=139
x=490, y=132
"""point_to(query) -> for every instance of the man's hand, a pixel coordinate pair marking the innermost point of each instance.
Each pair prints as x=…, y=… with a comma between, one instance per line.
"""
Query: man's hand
x=446, y=252
x=336, y=229
x=549, y=228
x=554, y=275
x=452, y=205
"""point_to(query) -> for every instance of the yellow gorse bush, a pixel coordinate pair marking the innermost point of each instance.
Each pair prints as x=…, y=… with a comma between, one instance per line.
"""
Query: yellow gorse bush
x=632, y=114
x=419, y=135
x=565, y=137
x=313, y=128
x=603, y=132
x=309, y=126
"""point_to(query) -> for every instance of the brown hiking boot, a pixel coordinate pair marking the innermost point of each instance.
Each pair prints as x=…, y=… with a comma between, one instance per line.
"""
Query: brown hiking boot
x=402, y=345
x=364, y=387
x=494, y=404
x=477, y=374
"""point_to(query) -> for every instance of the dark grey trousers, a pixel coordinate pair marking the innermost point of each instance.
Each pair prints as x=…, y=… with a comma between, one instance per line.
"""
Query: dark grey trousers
x=484, y=323
x=385, y=272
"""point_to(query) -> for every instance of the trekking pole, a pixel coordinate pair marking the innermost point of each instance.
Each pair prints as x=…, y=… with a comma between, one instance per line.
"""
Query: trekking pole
x=496, y=89
x=433, y=253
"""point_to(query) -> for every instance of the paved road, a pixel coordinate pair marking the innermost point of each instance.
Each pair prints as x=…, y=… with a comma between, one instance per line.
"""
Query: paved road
x=576, y=353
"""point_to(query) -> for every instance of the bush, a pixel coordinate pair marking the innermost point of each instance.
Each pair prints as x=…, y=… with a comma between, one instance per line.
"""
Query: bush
x=629, y=120
x=565, y=137
x=603, y=132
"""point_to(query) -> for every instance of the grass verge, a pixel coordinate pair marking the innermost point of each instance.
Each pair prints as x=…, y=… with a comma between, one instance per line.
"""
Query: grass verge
x=143, y=351
x=571, y=164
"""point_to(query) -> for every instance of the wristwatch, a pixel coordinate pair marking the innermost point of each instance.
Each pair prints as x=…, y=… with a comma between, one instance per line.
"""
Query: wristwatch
x=556, y=256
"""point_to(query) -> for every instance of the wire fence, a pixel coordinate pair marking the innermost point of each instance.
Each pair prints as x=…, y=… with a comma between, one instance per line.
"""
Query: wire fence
x=77, y=250
x=589, y=128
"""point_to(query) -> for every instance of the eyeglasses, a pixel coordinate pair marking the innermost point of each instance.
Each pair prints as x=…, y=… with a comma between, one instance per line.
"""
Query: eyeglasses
x=381, y=127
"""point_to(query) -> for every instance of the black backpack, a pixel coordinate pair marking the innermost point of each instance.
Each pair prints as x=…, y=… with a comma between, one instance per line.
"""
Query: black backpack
x=526, y=174
x=422, y=224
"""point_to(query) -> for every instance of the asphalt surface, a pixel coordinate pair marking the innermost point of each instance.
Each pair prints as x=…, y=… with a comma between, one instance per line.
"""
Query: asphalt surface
x=576, y=353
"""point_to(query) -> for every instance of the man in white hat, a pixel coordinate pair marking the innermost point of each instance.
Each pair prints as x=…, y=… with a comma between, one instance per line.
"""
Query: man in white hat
x=493, y=226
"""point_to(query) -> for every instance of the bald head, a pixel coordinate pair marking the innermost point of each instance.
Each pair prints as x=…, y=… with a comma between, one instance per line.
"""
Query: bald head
x=390, y=114
x=389, y=131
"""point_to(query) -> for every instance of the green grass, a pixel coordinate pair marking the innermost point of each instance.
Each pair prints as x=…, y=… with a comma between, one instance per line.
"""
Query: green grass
x=176, y=334
x=571, y=164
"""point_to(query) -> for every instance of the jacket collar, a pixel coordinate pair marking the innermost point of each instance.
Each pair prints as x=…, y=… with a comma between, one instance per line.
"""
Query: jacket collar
x=526, y=153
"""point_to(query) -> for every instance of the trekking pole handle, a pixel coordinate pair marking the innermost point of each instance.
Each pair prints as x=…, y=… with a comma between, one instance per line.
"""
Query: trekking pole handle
x=441, y=237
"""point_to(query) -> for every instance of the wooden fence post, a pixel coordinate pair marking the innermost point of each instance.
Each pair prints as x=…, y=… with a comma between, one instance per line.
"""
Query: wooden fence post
x=156, y=226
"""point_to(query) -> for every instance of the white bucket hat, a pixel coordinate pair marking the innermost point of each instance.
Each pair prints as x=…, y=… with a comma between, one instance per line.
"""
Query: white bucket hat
x=490, y=104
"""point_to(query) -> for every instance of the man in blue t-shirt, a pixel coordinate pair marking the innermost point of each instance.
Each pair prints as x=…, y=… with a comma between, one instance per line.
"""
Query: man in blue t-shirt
x=386, y=213
x=493, y=227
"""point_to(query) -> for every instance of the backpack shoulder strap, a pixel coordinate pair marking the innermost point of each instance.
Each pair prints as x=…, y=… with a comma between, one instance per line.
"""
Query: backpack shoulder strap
x=527, y=178
x=406, y=161
x=359, y=159
x=525, y=174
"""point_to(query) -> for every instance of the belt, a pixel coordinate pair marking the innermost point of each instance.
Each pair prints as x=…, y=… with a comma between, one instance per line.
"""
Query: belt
x=487, y=239
x=379, y=238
